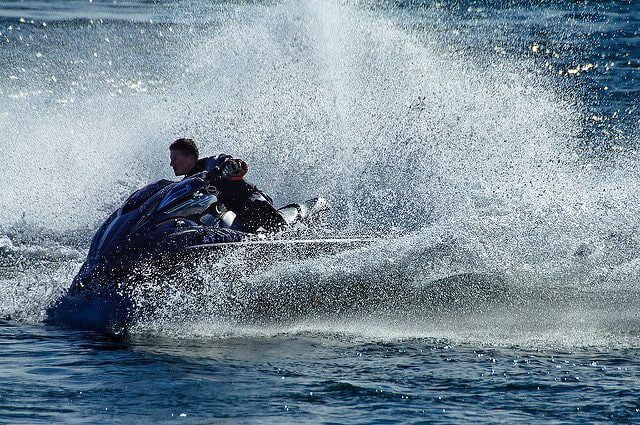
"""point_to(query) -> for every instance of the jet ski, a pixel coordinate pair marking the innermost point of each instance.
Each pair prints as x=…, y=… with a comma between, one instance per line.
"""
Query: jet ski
x=167, y=225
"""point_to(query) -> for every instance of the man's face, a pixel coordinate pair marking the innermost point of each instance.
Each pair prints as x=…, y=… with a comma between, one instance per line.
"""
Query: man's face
x=180, y=162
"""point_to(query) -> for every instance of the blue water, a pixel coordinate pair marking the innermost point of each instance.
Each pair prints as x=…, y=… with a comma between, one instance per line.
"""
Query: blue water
x=491, y=147
x=309, y=377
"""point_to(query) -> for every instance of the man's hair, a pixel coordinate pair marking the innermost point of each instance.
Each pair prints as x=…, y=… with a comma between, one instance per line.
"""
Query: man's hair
x=185, y=146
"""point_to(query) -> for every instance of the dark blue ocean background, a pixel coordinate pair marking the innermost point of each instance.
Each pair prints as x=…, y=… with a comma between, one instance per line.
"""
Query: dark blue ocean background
x=490, y=146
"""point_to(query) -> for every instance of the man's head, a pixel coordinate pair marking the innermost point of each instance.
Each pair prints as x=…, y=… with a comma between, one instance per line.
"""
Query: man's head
x=184, y=155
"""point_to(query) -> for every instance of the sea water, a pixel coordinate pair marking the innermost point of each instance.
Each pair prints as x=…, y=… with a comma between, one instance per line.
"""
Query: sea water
x=489, y=146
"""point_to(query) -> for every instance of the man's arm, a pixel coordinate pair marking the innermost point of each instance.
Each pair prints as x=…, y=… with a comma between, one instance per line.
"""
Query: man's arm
x=230, y=168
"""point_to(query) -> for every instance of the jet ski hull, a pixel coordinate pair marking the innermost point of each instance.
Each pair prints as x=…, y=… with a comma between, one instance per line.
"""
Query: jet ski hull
x=156, y=235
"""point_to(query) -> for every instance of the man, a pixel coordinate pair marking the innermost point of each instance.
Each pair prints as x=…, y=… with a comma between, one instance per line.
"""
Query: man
x=253, y=207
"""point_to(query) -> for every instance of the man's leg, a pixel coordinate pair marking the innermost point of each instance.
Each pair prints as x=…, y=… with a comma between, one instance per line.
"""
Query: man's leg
x=258, y=212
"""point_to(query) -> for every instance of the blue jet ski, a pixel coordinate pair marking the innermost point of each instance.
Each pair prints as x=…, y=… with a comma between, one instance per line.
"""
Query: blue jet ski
x=164, y=226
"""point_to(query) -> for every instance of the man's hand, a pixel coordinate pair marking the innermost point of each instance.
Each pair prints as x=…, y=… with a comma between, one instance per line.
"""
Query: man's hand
x=233, y=169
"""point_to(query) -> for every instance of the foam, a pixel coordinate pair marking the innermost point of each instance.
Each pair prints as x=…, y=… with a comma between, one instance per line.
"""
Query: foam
x=472, y=160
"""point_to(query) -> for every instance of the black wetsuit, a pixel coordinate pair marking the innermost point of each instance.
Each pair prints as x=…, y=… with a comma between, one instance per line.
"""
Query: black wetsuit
x=253, y=208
